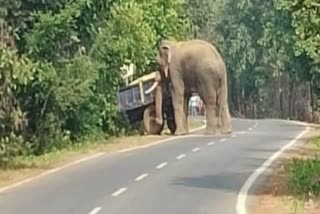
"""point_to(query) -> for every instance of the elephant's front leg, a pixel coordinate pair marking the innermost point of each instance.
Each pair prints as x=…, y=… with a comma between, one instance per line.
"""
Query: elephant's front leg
x=178, y=105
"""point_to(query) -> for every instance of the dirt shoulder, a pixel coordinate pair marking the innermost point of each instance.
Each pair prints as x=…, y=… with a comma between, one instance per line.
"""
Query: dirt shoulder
x=274, y=196
x=31, y=166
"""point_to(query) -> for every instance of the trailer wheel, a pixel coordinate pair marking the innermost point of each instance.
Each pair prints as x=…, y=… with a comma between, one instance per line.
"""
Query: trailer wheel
x=150, y=125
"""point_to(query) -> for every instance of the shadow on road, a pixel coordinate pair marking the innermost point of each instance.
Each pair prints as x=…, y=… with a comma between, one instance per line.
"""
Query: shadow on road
x=272, y=181
x=228, y=182
x=232, y=183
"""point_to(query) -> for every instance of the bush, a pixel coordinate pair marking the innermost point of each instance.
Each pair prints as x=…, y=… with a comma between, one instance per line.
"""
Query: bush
x=14, y=72
x=304, y=177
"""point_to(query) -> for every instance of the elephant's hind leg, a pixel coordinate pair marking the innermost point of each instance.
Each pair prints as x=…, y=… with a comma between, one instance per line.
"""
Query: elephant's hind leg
x=226, y=127
x=208, y=95
x=211, y=107
x=211, y=128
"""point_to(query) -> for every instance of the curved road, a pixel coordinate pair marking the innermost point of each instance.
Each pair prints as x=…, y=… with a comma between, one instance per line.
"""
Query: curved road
x=196, y=174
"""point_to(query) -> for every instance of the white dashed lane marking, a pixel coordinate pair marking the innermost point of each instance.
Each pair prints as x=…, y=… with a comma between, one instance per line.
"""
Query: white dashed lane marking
x=181, y=156
x=162, y=165
x=211, y=143
x=95, y=210
x=250, y=129
x=195, y=149
x=242, y=132
x=119, y=192
x=141, y=177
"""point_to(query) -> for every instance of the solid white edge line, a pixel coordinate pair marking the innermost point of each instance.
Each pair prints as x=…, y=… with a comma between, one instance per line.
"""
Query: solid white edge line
x=162, y=165
x=95, y=210
x=181, y=156
x=196, y=149
x=119, y=192
x=141, y=177
x=242, y=195
x=51, y=171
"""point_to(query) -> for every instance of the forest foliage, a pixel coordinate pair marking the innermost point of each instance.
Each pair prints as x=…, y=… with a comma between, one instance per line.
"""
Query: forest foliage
x=60, y=61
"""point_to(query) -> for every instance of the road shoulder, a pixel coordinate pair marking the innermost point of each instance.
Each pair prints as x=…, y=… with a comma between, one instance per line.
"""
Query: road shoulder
x=273, y=195
x=36, y=167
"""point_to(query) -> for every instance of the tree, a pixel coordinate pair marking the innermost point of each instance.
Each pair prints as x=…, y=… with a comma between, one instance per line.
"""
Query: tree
x=259, y=44
x=75, y=49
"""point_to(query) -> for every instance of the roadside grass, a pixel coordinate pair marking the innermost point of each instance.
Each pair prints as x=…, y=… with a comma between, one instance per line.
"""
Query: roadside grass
x=303, y=181
x=28, y=166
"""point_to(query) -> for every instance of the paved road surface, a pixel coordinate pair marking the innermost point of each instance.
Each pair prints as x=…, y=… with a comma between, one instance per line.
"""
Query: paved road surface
x=193, y=175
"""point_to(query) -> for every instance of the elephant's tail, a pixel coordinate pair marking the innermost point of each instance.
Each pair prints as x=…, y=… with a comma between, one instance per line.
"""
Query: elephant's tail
x=219, y=99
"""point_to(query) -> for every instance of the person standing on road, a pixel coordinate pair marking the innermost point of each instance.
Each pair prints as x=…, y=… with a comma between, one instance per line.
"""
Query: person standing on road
x=194, y=105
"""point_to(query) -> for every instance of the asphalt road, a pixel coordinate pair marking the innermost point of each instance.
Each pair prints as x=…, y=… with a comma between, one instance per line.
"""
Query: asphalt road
x=190, y=175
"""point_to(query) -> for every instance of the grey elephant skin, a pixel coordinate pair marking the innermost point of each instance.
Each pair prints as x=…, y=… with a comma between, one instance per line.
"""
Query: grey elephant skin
x=193, y=66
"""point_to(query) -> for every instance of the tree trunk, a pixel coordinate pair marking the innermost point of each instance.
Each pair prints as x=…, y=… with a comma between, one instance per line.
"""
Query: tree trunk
x=311, y=99
x=290, y=99
x=281, y=103
x=280, y=94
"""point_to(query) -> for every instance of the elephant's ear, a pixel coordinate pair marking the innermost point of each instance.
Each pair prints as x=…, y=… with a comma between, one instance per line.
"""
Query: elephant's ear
x=166, y=56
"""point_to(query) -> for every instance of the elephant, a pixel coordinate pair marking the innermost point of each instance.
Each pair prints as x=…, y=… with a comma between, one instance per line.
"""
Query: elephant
x=185, y=67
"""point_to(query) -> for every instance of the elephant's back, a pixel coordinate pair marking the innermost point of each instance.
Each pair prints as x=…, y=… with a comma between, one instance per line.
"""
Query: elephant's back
x=194, y=53
x=200, y=48
x=200, y=61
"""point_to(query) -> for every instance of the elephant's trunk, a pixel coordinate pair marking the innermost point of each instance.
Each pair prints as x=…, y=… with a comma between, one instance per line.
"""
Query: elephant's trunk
x=157, y=87
x=158, y=104
x=159, y=98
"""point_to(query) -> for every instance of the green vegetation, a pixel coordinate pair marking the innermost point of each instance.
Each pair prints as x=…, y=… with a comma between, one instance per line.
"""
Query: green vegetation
x=60, y=62
x=60, y=67
x=272, y=53
x=304, y=180
x=304, y=177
